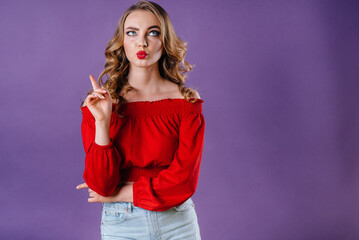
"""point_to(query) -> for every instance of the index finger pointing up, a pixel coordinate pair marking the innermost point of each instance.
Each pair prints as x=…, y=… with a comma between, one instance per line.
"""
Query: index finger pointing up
x=94, y=83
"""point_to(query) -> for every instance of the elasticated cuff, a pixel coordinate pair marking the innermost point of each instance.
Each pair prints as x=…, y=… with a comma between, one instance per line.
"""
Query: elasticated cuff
x=102, y=192
x=103, y=147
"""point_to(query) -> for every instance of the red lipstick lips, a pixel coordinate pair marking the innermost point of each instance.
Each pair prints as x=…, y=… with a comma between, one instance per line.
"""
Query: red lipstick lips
x=141, y=54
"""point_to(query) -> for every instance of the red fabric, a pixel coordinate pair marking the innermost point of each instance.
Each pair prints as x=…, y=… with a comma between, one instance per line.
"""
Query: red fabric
x=158, y=146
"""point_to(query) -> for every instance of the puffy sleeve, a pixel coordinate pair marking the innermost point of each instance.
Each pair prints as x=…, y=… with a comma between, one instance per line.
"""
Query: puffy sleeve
x=178, y=182
x=102, y=162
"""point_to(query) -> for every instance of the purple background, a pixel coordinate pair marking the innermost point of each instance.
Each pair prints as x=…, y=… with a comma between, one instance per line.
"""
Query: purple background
x=279, y=80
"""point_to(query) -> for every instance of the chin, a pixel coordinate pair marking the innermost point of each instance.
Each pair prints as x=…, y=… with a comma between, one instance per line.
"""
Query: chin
x=143, y=63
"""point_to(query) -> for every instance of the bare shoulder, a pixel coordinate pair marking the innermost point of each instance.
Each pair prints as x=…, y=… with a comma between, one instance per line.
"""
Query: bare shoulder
x=196, y=95
x=175, y=93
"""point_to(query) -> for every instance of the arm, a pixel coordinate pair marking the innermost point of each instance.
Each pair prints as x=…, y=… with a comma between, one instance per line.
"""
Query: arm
x=102, y=162
x=176, y=184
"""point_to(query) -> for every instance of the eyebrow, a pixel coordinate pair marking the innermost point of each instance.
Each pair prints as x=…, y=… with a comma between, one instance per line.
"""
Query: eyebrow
x=134, y=28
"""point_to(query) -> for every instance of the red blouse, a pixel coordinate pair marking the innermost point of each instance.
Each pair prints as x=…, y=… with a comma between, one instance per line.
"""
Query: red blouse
x=158, y=146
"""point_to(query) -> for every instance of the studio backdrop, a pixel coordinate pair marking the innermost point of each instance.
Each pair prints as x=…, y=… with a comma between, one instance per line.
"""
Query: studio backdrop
x=279, y=80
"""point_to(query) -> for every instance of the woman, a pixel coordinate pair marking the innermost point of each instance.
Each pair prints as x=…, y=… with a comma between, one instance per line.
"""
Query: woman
x=143, y=132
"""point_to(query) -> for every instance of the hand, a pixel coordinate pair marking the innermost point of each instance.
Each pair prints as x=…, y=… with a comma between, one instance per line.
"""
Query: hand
x=99, y=102
x=121, y=194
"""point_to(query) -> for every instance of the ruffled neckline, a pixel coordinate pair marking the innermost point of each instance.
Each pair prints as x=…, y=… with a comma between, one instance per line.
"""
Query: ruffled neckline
x=162, y=100
x=161, y=106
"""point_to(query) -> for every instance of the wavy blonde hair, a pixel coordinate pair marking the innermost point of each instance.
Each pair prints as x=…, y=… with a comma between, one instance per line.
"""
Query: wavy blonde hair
x=172, y=65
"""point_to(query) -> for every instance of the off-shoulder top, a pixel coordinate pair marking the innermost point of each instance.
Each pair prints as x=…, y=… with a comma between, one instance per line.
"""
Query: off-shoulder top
x=158, y=145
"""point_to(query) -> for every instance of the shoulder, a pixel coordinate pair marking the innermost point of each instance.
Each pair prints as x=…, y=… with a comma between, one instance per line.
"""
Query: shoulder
x=196, y=95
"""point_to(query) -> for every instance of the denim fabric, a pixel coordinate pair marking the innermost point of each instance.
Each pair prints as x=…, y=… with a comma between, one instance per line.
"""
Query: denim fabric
x=123, y=220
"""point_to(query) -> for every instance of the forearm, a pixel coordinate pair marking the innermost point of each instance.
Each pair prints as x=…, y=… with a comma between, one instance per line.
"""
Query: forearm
x=102, y=134
x=102, y=161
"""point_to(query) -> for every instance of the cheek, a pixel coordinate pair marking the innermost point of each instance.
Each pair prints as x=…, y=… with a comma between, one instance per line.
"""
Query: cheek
x=126, y=42
x=157, y=46
x=127, y=45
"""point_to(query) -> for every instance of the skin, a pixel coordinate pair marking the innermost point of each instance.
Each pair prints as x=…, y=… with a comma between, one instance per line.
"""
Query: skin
x=144, y=74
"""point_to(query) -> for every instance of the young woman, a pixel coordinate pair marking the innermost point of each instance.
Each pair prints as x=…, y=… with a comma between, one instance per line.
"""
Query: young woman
x=143, y=132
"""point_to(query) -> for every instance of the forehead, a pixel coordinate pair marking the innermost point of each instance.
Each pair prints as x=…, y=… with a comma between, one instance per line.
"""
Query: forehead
x=141, y=19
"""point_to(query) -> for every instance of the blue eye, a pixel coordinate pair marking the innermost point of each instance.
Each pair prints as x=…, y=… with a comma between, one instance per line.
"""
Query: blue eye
x=129, y=33
x=156, y=33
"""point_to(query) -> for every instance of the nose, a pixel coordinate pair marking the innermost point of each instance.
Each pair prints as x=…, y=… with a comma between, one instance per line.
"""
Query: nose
x=142, y=42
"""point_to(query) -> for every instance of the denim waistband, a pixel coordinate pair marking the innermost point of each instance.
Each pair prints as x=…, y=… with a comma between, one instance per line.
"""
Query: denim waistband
x=123, y=206
x=128, y=206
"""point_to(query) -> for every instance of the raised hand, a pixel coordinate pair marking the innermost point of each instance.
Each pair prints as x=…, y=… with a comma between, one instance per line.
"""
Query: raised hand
x=99, y=102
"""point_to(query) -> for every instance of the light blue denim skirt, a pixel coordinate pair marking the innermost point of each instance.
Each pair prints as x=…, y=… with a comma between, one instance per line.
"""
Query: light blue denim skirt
x=123, y=220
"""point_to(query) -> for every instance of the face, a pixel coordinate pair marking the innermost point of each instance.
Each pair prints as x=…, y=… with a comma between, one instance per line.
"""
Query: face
x=142, y=41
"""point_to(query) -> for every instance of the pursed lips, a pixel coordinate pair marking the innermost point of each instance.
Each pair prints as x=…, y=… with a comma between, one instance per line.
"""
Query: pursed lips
x=141, y=54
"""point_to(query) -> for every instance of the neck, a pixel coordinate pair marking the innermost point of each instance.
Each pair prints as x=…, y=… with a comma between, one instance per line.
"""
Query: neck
x=147, y=80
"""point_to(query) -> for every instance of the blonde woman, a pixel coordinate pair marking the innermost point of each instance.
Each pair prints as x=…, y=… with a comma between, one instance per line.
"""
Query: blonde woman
x=143, y=132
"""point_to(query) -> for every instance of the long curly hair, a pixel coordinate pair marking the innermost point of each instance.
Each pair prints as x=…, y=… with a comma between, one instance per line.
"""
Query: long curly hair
x=172, y=65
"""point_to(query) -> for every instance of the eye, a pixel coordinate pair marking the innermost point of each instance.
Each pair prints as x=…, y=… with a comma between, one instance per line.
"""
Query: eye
x=155, y=33
x=131, y=33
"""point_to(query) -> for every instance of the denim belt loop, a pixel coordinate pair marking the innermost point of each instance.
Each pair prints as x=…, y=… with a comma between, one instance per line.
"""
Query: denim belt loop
x=129, y=207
